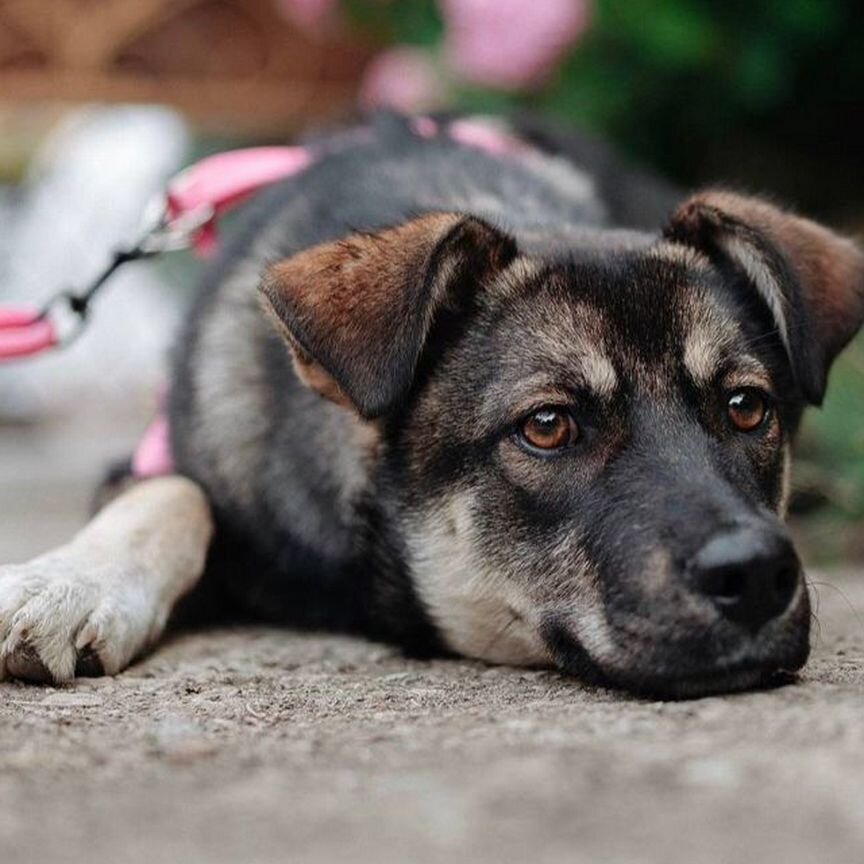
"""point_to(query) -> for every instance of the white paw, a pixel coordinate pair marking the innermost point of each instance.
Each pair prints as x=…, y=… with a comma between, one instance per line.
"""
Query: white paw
x=66, y=613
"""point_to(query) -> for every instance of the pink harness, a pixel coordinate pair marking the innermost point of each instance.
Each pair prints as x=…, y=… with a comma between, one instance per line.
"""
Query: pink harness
x=194, y=202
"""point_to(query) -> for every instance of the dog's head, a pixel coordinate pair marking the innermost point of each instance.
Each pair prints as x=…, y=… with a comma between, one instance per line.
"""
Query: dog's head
x=590, y=449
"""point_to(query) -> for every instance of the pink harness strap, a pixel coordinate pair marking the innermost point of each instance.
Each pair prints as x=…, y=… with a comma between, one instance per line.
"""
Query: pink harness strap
x=474, y=132
x=153, y=456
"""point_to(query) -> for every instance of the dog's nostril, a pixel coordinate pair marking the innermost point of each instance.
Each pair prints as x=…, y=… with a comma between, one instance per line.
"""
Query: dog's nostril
x=750, y=575
x=724, y=586
x=785, y=582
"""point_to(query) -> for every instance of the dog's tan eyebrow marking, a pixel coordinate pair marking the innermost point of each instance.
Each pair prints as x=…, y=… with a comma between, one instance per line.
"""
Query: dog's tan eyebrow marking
x=703, y=351
x=592, y=371
x=599, y=373
x=707, y=349
x=713, y=342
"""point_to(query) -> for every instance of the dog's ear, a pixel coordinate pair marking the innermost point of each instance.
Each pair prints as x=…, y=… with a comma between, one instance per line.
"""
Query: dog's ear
x=356, y=312
x=811, y=279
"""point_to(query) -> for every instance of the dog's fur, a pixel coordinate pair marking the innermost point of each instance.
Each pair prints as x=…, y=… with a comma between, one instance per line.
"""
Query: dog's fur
x=434, y=296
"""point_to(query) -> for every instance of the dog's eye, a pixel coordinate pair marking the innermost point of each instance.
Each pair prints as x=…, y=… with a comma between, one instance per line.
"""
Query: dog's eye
x=747, y=409
x=549, y=429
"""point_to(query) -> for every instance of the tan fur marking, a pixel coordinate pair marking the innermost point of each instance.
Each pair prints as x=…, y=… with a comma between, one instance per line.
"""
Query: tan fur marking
x=313, y=375
x=600, y=375
x=786, y=488
x=710, y=334
x=702, y=352
x=686, y=256
x=480, y=613
x=497, y=616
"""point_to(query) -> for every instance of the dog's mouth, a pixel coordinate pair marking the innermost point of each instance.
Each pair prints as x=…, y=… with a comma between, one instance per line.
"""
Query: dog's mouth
x=667, y=683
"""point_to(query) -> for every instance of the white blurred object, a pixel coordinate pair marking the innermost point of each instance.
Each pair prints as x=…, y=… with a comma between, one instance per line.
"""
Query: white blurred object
x=88, y=189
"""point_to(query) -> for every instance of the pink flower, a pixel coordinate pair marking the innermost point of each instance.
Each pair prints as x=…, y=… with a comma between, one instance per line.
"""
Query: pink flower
x=402, y=78
x=511, y=44
x=310, y=16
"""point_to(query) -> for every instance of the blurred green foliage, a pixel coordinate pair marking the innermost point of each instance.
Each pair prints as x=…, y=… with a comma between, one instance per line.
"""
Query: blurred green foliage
x=829, y=468
x=765, y=94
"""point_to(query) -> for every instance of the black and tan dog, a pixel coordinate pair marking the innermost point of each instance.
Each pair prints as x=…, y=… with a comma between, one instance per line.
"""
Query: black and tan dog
x=552, y=431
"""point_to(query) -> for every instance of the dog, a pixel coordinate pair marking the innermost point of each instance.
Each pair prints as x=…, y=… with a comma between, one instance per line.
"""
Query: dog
x=509, y=401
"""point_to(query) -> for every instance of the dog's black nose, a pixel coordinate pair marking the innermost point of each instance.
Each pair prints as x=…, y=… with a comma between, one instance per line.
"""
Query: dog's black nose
x=750, y=575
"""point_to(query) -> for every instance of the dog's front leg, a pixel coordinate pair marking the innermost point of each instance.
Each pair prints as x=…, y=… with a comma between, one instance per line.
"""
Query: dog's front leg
x=95, y=604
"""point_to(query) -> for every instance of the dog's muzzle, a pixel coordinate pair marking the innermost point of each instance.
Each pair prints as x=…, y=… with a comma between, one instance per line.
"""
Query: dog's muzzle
x=734, y=615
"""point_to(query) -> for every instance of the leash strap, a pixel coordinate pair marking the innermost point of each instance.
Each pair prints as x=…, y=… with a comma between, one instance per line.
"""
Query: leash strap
x=23, y=332
x=186, y=217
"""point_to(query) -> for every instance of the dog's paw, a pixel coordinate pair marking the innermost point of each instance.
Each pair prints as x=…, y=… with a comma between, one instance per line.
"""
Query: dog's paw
x=64, y=615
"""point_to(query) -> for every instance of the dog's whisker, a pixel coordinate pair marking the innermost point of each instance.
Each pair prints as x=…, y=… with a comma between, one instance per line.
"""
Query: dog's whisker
x=843, y=595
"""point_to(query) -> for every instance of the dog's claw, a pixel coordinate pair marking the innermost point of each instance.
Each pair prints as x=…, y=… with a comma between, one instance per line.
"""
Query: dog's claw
x=89, y=664
x=24, y=663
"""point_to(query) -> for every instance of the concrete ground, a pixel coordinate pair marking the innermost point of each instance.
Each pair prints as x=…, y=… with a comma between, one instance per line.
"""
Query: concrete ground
x=258, y=745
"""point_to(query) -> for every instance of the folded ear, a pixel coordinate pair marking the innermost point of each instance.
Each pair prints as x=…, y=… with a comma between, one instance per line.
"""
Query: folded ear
x=356, y=312
x=811, y=279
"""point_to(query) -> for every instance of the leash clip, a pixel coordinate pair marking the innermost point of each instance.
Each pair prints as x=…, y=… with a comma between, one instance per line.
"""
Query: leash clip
x=66, y=313
x=184, y=217
x=172, y=230
x=25, y=331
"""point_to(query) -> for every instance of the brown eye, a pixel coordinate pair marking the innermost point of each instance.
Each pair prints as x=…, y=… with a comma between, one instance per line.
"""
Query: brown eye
x=747, y=409
x=549, y=429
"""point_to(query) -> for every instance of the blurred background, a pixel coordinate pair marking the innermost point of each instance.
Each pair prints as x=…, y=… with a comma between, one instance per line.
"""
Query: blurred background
x=102, y=100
